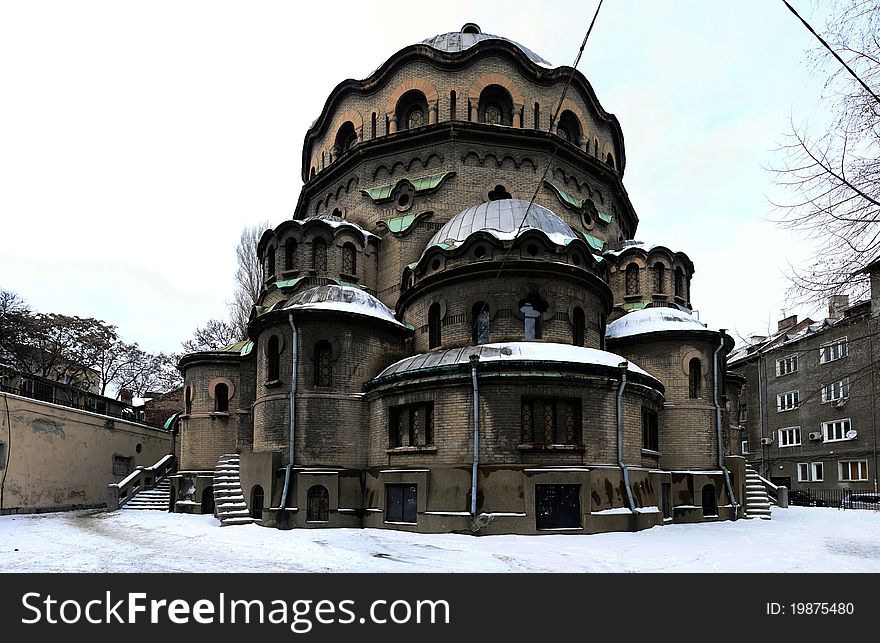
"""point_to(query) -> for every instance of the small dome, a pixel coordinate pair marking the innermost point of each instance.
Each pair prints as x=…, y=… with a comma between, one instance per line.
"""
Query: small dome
x=653, y=320
x=502, y=219
x=469, y=36
x=341, y=298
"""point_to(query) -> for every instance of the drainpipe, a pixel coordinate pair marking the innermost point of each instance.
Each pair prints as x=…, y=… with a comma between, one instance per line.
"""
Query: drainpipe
x=717, y=386
x=293, y=380
x=474, y=360
x=623, y=366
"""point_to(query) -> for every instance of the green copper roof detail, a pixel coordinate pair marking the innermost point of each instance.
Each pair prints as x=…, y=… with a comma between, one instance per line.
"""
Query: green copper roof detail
x=607, y=218
x=421, y=185
x=247, y=348
x=567, y=200
x=595, y=242
x=170, y=421
x=289, y=283
x=635, y=305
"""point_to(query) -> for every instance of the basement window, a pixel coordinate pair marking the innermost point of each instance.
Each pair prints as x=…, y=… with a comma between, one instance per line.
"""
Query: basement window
x=122, y=466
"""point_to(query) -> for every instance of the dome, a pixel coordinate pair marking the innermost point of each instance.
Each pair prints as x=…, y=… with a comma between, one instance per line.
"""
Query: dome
x=341, y=298
x=469, y=35
x=653, y=320
x=502, y=219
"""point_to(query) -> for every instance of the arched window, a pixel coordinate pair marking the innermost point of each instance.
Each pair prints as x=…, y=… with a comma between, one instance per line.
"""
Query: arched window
x=349, y=260
x=481, y=326
x=695, y=377
x=312, y=172
x=434, y=328
x=679, y=282
x=569, y=127
x=318, y=504
x=412, y=110
x=579, y=323
x=273, y=359
x=188, y=400
x=609, y=160
x=452, y=100
x=632, y=280
x=596, y=147
x=221, y=398
x=659, y=278
x=710, y=505
x=537, y=116
x=319, y=255
x=290, y=254
x=373, y=125
x=495, y=106
x=270, y=262
x=323, y=364
x=257, y=502
x=346, y=138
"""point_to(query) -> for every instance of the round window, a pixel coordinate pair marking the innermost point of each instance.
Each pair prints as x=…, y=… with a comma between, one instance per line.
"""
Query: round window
x=533, y=249
x=435, y=265
x=480, y=252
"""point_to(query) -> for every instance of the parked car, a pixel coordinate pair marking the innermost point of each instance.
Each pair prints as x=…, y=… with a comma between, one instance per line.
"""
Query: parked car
x=861, y=500
x=804, y=498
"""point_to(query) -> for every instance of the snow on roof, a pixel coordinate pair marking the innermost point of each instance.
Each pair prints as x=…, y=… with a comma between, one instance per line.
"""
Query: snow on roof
x=457, y=41
x=335, y=221
x=653, y=320
x=342, y=298
x=514, y=351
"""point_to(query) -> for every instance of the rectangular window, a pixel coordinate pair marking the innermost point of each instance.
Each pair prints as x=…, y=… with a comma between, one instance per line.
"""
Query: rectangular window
x=835, y=431
x=122, y=466
x=790, y=437
x=550, y=420
x=786, y=365
x=401, y=503
x=803, y=470
x=833, y=350
x=853, y=470
x=411, y=425
x=836, y=391
x=743, y=413
x=2, y=455
x=817, y=470
x=787, y=401
x=745, y=447
x=650, y=431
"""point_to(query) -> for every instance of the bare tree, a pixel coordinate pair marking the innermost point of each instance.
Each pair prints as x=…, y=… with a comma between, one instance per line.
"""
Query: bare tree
x=248, y=277
x=213, y=336
x=833, y=174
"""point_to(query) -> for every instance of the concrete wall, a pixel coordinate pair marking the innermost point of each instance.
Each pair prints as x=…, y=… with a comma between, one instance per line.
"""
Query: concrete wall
x=61, y=458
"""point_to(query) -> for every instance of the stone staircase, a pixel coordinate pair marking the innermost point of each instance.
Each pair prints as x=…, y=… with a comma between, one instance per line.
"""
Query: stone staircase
x=757, y=503
x=156, y=499
x=228, y=498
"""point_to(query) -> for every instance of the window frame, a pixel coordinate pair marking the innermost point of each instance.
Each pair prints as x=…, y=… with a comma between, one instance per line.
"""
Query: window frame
x=790, y=431
x=803, y=471
x=401, y=423
x=783, y=397
x=846, y=426
x=829, y=348
x=787, y=365
x=820, y=477
x=840, y=386
x=860, y=463
x=650, y=430
x=537, y=433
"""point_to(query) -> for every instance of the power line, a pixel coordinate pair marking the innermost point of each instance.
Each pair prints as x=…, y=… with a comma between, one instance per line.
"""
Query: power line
x=833, y=53
x=549, y=161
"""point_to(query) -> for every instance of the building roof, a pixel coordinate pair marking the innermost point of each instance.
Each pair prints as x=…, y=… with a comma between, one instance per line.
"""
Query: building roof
x=468, y=36
x=515, y=352
x=502, y=219
x=342, y=298
x=653, y=320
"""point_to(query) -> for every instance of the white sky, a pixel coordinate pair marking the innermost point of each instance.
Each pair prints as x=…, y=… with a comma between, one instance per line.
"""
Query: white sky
x=137, y=139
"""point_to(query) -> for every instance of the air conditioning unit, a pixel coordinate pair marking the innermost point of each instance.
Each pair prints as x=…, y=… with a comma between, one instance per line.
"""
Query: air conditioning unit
x=816, y=435
x=766, y=440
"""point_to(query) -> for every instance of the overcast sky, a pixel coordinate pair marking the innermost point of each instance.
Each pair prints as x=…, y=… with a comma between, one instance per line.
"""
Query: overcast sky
x=137, y=139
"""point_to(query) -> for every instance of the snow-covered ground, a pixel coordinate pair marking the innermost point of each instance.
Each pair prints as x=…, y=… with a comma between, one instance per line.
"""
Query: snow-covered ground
x=799, y=539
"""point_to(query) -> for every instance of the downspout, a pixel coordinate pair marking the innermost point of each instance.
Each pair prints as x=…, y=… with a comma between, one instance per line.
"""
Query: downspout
x=293, y=381
x=623, y=366
x=474, y=360
x=717, y=386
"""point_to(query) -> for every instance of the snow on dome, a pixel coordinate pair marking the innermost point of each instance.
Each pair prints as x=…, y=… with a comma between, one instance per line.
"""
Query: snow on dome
x=469, y=35
x=335, y=221
x=514, y=351
x=502, y=219
x=653, y=320
x=343, y=298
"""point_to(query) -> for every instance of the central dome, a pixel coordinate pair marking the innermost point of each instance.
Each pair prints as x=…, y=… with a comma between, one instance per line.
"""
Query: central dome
x=502, y=219
x=469, y=36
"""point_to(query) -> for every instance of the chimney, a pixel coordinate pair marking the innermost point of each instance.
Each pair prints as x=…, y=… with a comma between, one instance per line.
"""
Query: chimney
x=836, y=304
x=788, y=322
x=126, y=396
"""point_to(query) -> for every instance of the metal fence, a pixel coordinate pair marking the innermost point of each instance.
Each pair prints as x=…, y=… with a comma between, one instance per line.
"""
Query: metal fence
x=101, y=407
x=836, y=498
